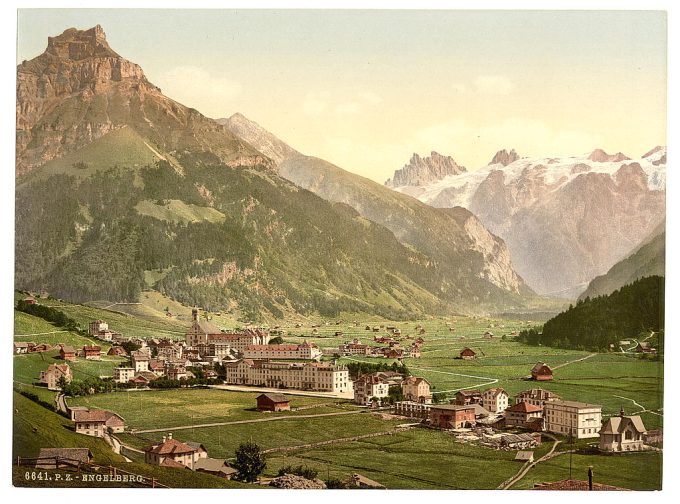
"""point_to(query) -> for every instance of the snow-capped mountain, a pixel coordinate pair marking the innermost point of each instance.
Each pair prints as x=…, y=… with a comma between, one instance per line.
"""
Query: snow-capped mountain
x=565, y=219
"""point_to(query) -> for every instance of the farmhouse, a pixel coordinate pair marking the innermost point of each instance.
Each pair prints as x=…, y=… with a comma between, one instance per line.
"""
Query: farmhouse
x=319, y=376
x=123, y=374
x=495, y=400
x=272, y=402
x=536, y=396
x=92, y=352
x=96, y=422
x=171, y=453
x=623, y=433
x=41, y=347
x=645, y=347
x=523, y=414
x=467, y=354
x=417, y=389
x=21, y=347
x=488, y=335
x=53, y=373
x=541, y=372
x=117, y=351
x=67, y=352
x=305, y=350
x=451, y=416
x=572, y=418
x=465, y=397
x=59, y=458
x=370, y=388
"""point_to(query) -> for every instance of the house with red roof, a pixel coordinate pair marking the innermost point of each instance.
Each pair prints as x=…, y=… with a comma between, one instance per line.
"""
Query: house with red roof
x=97, y=422
x=171, y=453
x=67, y=352
x=417, y=389
x=523, y=414
x=53, y=373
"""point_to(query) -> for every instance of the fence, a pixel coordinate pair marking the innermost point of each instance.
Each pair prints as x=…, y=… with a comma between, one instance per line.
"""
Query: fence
x=109, y=473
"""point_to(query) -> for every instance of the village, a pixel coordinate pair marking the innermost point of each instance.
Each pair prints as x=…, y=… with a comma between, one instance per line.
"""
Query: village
x=257, y=360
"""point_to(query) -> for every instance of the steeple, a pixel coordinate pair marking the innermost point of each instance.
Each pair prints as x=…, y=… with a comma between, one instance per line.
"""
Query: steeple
x=194, y=314
x=621, y=412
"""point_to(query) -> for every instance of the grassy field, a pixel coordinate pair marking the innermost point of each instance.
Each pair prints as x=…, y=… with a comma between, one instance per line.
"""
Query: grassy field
x=636, y=471
x=36, y=427
x=172, y=408
x=27, y=367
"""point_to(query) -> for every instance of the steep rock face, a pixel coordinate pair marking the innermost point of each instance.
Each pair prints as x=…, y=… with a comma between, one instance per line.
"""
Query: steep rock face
x=79, y=90
x=254, y=134
x=421, y=171
x=600, y=156
x=504, y=157
x=565, y=220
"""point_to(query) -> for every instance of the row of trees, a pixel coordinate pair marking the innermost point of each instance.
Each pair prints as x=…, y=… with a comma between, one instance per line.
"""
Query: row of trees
x=48, y=313
x=594, y=324
x=357, y=369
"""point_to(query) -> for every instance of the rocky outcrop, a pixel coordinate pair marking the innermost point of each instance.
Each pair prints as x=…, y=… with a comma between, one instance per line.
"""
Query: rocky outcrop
x=79, y=90
x=422, y=171
x=297, y=482
x=504, y=157
x=256, y=135
x=600, y=156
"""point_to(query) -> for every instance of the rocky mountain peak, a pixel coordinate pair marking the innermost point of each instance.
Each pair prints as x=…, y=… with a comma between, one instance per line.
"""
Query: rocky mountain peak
x=76, y=44
x=504, y=157
x=600, y=156
x=420, y=171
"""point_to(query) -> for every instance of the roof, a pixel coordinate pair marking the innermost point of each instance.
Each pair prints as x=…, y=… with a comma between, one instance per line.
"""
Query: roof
x=495, y=391
x=207, y=327
x=415, y=380
x=84, y=415
x=168, y=462
x=170, y=447
x=214, y=465
x=67, y=349
x=524, y=407
x=273, y=397
x=574, y=485
x=197, y=446
x=276, y=348
x=79, y=454
x=618, y=424
x=467, y=350
x=539, y=366
x=92, y=348
x=469, y=392
x=524, y=455
x=62, y=368
x=480, y=411
x=22, y=344
x=453, y=407
x=572, y=404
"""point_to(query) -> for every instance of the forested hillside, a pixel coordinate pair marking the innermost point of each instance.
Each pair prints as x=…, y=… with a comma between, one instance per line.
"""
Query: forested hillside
x=595, y=323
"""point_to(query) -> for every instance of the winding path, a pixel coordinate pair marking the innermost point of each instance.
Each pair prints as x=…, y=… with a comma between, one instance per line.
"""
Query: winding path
x=526, y=467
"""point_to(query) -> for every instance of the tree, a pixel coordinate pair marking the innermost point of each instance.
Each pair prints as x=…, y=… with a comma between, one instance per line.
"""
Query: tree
x=438, y=397
x=250, y=462
x=276, y=340
x=62, y=383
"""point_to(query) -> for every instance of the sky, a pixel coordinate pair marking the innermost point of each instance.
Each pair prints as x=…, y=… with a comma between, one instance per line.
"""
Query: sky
x=367, y=89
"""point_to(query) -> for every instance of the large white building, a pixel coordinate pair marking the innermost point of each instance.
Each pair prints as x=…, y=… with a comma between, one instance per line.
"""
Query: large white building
x=123, y=374
x=308, y=351
x=202, y=331
x=572, y=418
x=495, y=400
x=369, y=388
x=318, y=376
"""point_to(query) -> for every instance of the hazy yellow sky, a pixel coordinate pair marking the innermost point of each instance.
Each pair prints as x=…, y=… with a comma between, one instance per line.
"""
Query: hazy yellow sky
x=366, y=89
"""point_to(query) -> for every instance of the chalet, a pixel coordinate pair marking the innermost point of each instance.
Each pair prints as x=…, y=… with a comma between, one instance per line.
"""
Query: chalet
x=416, y=389
x=394, y=353
x=157, y=366
x=422, y=332
x=67, y=352
x=488, y=335
x=40, y=347
x=30, y=301
x=21, y=347
x=467, y=354
x=123, y=374
x=272, y=402
x=143, y=378
x=495, y=400
x=465, y=397
x=92, y=352
x=536, y=396
x=339, y=334
x=623, y=433
x=645, y=347
x=171, y=453
x=413, y=351
x=216, y=467
x=54, y=373
x=97, y=422
x=117, y=351
x=541, y=372
x=523, y=414
x=62, y=458
x=451, y=416
x=370, y=388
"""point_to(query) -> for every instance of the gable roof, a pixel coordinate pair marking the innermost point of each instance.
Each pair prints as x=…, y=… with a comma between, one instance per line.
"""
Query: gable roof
x=495, y=392
x=170, y=447
x=618, y=424
x=539, y=366
x=168, y=462
x=524, y=407
x=214, y=465
x=79, y=454
x=470, y=393
x=276, y=398
x=67, y=349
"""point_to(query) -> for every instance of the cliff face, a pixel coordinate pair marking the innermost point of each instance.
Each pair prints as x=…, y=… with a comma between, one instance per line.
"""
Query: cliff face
x=421, y=171
x=79, y=90
x=504, y=157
